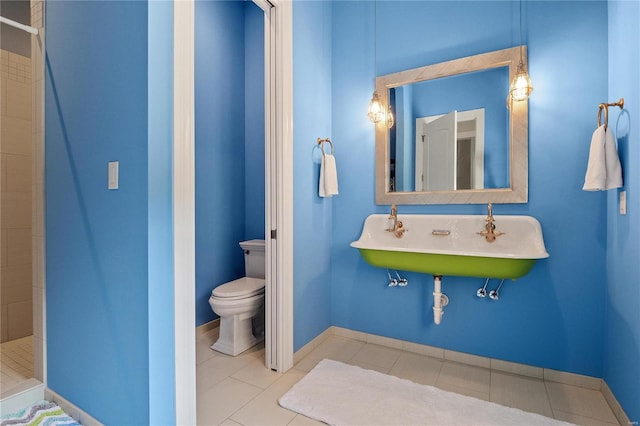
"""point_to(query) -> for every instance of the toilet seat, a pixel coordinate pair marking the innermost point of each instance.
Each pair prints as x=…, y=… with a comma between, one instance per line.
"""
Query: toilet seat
x=239, y=289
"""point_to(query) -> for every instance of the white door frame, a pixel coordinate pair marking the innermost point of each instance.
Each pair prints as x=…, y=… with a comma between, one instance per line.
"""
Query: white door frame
x=279, y=196
x=278, y=184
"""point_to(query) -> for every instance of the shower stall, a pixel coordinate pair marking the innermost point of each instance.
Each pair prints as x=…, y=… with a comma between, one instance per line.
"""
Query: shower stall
x=21, y=198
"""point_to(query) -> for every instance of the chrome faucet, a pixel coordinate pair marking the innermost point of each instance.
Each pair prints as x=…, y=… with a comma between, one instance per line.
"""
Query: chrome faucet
x=397, y=228
x=490, y=232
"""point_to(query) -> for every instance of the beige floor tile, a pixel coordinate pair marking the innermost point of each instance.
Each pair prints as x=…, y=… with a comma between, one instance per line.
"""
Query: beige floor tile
x=222, y=400
x=381, y=356
x=241, y=391
x=463, y=391
x=203, y=346
x=580, y=401
x=230, y=422
x=219, y=367
x=367, y=366
x=257, y=374
x=417, y=368
x=335, y=348
x=476, y=379
x=301, y=420
x=264, y=409
x=580, y=420
x=256, y=351
x=16, y=362
x=525, y=393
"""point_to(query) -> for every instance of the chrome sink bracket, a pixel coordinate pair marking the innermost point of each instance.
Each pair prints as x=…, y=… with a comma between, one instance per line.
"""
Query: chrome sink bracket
x=392, y=281
x=495, y=294
x=482, y=292
x=402, y=282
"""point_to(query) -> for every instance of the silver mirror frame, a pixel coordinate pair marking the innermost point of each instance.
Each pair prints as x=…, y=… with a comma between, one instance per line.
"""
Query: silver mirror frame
x=518, y=134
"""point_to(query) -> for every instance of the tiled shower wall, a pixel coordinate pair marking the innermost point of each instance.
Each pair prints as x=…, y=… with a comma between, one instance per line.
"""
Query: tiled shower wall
x=16, y=196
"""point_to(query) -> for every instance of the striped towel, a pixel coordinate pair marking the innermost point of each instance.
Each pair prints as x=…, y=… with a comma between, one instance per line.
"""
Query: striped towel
x=43, y=413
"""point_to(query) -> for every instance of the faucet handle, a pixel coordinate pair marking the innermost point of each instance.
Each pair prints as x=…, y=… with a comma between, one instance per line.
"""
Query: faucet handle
x=490, y=210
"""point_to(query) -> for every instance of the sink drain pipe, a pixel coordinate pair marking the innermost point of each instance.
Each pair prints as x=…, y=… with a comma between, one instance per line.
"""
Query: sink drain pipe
x=439, y=299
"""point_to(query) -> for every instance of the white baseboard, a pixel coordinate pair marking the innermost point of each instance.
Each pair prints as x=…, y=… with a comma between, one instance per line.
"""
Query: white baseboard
x=71, y=409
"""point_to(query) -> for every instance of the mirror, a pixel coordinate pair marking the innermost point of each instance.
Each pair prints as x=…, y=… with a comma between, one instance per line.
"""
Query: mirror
x=454, y=140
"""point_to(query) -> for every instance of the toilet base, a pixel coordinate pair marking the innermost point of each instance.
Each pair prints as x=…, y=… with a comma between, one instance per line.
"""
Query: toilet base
x=236, y=335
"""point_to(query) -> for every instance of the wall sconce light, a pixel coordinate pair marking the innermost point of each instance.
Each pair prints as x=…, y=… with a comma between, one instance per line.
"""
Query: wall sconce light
x=390, y=120
x=376, y=110
x=521, y=86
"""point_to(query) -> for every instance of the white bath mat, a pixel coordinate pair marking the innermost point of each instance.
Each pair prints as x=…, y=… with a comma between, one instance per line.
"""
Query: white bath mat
x=341, y=394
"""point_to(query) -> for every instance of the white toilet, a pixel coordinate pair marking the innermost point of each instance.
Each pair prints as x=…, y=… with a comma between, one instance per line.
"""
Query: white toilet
x=240, y=304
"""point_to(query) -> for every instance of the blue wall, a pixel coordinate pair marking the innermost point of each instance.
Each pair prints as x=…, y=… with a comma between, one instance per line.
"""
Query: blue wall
x=254, y=200
x=622, y=333
x=551, y=318
x=313, y=219
x=229, y=81
x=96, y=241
x=160, y=214
x=99, y=278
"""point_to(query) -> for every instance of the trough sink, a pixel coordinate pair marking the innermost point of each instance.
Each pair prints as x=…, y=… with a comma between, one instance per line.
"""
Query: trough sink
x=450, y=245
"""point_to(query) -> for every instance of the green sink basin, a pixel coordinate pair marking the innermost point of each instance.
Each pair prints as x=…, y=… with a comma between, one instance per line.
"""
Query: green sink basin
x=449, y=264
x=449, y=245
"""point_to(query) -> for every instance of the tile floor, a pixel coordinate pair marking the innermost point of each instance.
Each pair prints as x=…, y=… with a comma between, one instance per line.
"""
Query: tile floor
x=241, y=391
x=16, y=362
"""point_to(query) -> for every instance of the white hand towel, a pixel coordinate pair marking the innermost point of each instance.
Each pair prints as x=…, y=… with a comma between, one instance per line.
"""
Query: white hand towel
x=596, y=176
x=612, y=161
x=328, y=176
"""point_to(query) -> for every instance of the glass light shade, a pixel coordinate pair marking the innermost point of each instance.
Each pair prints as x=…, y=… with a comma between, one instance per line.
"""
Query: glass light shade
x=390, y=120
x=376, y=110
x=521, y=86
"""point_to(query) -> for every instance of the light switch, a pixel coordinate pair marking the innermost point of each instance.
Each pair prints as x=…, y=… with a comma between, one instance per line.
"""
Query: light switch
x=623, y=202
x=113, y=175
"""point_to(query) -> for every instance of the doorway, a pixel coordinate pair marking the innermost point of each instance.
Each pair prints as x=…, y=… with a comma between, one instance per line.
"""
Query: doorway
x=278, y=196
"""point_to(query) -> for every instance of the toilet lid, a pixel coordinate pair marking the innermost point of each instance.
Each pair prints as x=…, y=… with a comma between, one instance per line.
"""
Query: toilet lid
x=241, y=287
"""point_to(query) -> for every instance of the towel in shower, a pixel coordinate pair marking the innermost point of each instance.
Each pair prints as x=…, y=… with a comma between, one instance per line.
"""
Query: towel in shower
x=603, y=170
x=328, y=186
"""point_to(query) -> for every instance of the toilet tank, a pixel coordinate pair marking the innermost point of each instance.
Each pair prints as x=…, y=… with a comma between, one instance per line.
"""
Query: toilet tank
x=254, y=261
